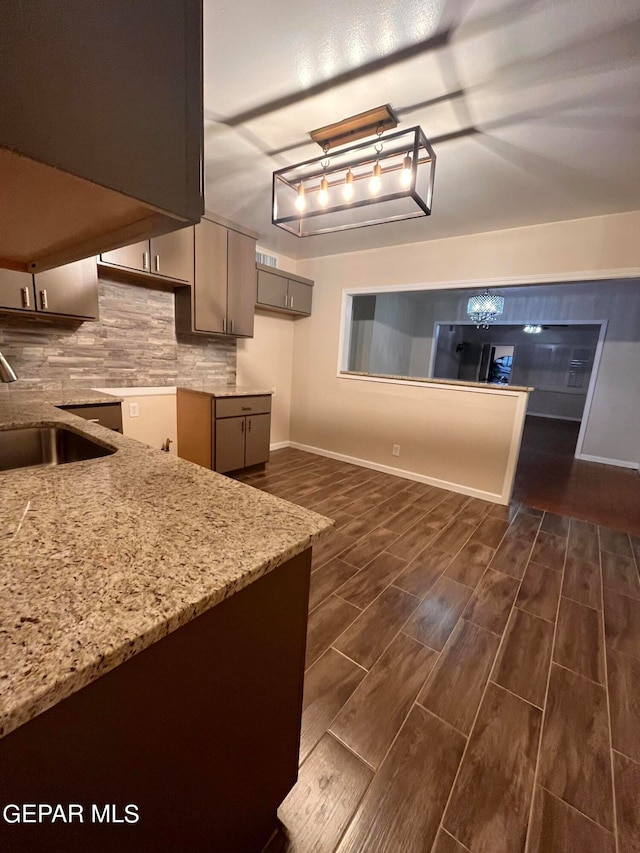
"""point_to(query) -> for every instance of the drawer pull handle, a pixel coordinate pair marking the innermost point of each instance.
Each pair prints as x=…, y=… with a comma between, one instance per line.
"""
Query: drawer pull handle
x=246, y=409
x=145, y=261
x=157, y=263
x=43, y=300
x=26, y=302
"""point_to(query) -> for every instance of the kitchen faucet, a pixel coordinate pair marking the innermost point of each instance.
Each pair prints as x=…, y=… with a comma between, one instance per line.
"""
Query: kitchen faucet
x=7, y=373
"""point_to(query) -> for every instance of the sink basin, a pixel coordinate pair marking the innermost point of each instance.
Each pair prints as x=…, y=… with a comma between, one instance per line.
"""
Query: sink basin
x=29, y=447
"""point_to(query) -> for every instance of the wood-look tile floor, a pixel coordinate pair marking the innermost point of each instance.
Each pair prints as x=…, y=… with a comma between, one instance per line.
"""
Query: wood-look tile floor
x=549, y=477
x=473, y=673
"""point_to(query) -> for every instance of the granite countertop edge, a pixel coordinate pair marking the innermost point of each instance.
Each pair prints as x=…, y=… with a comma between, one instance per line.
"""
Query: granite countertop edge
x=66, y=623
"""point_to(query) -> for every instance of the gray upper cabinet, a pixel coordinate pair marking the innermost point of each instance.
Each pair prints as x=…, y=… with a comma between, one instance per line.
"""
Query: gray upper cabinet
x=241, y=283
x=222, y=298
x=134, y=257
x=16, y=291
x=171, y=255
x=300, y=296
x=167, y=256
x=283, y=292
x=69, y=291
x=101, y=126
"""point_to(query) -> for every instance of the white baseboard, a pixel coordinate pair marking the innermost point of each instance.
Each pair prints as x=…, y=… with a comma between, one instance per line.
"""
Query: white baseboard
x=279, y=445
x=602, y=460
x=399, y=472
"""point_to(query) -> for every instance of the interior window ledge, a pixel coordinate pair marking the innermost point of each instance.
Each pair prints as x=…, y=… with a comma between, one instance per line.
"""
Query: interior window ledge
x=414, y=380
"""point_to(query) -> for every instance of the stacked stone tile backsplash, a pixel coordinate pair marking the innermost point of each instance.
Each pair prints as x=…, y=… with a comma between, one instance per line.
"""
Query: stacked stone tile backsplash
x=134, y=344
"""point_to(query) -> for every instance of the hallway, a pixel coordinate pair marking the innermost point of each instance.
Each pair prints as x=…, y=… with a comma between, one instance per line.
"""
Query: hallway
x=549, y=478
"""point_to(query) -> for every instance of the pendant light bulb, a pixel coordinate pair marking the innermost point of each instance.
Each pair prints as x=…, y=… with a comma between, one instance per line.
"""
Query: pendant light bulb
x=347, y=189
x=406, y=175
x=301, y=201
x=323, y=195
x=375, y=183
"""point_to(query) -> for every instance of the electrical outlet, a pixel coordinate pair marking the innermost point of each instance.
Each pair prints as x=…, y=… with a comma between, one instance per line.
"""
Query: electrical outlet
x=396, y=450
x=134, y=410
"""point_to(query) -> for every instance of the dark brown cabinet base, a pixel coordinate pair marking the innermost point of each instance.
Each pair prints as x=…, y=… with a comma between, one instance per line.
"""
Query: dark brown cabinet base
x=200, y=731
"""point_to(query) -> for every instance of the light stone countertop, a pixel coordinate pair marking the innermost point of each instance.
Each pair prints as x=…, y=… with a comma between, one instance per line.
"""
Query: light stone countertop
x=102, y=558
x=227, y=390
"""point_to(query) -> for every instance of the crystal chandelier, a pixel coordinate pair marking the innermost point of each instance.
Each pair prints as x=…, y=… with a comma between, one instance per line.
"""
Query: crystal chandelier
x=484, y=308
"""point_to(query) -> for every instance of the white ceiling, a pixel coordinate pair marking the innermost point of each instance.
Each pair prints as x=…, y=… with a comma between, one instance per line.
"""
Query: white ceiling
x=532, y=106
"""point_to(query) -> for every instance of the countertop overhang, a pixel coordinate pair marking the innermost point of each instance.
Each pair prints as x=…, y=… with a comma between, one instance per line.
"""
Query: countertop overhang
x=100, y=559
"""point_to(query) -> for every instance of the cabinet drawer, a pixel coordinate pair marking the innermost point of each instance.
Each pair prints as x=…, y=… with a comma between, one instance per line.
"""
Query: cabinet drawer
x=233, y=407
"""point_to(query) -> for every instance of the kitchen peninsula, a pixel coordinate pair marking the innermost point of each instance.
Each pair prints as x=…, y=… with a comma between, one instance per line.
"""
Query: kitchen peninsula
x=153, y=620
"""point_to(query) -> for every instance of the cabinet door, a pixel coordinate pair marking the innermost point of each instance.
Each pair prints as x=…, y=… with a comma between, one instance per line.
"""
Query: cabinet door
x=257, y=439
x=16, y=290
x=229, y=447
x=300, y=297
x=210, y=294
x=272, y=290
x=241, y=281
x=172, y=254
x=71, y=289
x=133, y=257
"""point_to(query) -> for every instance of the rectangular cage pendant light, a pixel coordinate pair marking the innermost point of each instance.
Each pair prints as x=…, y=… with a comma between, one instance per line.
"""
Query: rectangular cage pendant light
x=385, y=179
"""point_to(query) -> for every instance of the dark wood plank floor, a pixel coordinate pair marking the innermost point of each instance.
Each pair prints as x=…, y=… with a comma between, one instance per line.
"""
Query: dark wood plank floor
x=473, y=679
x=549, y=477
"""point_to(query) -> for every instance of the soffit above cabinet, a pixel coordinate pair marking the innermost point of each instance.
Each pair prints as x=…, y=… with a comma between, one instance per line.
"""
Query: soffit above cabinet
x=100, y=128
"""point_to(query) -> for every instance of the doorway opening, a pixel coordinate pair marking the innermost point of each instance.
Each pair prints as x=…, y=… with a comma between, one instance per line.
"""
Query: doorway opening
x=557, y=360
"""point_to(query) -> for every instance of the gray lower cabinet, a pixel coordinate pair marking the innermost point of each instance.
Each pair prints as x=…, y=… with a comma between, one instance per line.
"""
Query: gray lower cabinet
x=69, y=291
x=168, y=256
x=106, y=414
x=223, y=433
x=241, y=442
x=283, y=292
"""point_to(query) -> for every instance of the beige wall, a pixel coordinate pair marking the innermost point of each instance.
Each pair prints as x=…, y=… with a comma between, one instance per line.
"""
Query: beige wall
x=363, y=419
x=156, y=420
x=265, y=361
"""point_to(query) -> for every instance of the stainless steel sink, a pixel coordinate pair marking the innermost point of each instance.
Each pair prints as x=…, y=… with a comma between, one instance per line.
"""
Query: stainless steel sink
x=28, y=447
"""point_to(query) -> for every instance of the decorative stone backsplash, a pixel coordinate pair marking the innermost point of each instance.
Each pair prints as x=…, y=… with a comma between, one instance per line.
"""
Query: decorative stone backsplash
x=133, y=344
